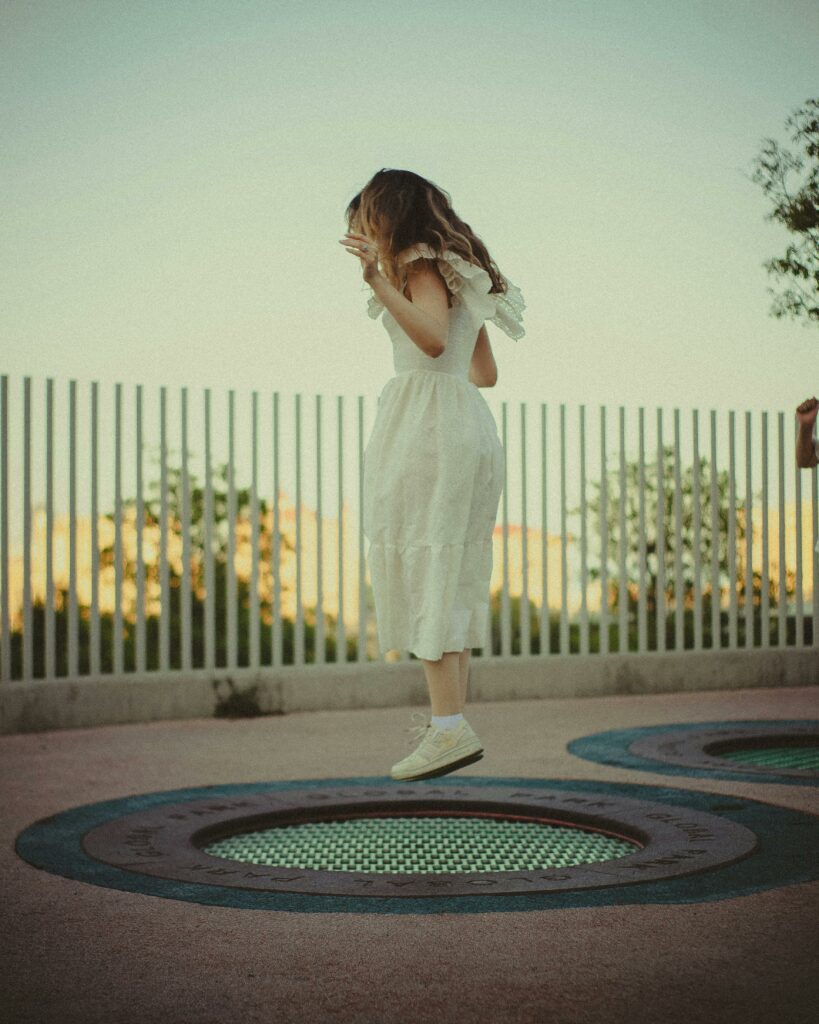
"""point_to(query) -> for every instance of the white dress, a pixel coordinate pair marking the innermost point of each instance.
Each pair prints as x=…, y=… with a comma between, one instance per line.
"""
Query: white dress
x=434, y=469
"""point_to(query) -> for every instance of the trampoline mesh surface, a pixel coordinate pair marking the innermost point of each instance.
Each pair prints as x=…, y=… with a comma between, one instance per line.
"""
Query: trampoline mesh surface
x=416, y=844
x=804, y=758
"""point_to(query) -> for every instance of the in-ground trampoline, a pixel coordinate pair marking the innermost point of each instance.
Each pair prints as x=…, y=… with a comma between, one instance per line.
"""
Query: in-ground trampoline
x=776, y=751
x=447, y=845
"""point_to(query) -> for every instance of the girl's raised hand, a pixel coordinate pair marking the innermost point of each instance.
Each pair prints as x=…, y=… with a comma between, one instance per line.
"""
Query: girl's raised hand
x=361, y=246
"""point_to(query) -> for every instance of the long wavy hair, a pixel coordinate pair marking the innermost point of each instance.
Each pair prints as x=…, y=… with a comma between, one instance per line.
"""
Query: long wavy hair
x=398, y=209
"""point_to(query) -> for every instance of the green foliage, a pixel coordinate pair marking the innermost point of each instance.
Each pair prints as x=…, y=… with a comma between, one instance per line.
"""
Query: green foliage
x=664, y=563
x=236, y=703
x=630, y=642
x=244, y=703
x=198, y=544
x=796, y=206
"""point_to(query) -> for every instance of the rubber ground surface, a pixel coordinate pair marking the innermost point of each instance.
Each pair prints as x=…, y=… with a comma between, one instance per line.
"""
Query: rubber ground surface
x=77, y=952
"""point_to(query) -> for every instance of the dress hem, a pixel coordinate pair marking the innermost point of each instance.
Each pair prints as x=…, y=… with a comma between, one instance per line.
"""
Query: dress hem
x=430, y=657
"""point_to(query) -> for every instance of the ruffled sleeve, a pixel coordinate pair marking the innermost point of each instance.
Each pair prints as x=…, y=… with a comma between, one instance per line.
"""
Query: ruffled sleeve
x=509, y=311
x=469, y=284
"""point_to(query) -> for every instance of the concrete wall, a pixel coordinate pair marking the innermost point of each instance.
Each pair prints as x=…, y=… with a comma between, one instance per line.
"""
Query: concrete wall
x=81, y=702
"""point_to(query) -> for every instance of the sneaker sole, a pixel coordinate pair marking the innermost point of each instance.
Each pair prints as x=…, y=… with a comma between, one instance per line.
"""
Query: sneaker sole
x=443, y=769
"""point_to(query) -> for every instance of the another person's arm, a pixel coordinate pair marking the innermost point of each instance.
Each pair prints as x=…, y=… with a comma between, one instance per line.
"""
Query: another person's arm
x=806, y=446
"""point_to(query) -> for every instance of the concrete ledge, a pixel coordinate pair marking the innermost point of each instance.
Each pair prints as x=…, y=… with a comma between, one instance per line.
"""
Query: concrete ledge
x=80, y=702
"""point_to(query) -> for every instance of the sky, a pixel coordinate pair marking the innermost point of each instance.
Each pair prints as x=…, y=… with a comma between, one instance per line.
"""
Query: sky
x=175, y=179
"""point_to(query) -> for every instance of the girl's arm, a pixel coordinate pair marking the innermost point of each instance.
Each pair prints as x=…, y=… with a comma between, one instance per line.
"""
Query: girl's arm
x=425, y=317
x=483, y=371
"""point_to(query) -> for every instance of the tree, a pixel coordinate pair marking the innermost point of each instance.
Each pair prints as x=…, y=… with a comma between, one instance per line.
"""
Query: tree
x=796, y=205
x=632, y=558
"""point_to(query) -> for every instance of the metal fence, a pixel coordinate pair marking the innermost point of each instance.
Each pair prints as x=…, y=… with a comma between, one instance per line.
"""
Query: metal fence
x=104, y=571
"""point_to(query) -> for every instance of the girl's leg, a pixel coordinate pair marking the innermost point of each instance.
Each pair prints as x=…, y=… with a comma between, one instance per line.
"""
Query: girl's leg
x=463, y=668
x=444, y=683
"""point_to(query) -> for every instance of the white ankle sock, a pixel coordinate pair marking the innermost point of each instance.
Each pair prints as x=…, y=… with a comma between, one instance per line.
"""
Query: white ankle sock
x=447, y=721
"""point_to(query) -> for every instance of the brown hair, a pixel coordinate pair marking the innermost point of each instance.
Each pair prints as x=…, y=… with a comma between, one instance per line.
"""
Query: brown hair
x=399, y=209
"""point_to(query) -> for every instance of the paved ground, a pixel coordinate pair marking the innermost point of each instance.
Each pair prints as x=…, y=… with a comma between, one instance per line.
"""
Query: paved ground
x=76, y=952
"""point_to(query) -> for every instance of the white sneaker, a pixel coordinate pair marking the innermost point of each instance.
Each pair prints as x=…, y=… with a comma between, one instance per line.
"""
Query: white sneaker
x=440, y=751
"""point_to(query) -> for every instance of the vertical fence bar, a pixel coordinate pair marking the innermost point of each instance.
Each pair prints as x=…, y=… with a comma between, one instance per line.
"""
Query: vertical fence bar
x=604, y=539
x=642, y=623
x=622, y=628
x=697, y=534
x=765, y=599
x=341, y=636
x=139, y=529
x=486, y=643
x=254, y=532
x=782, y=610
x=186, y=654
x=232, y=633
x=210, y=583
x=564, y=568
x=732, y=533
x=5, y=664
x=95, y=654
x=50, y=632
x=319, y=649
x=118, y=651
x=799, y=625
x=232, y=629
x=814, y=487
x=277, y=639
x=298, y=657
x=765, y=609
x=525, y=637
x=73, y=612
x=660, y=604
x=749, y=568
x=584, y=575
x=716, y=590
x=28, y=611
x=505, y=611
x=545, y=626
x=165, y=586
x=362, y=568
x=679, y=582
x=659, y=625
